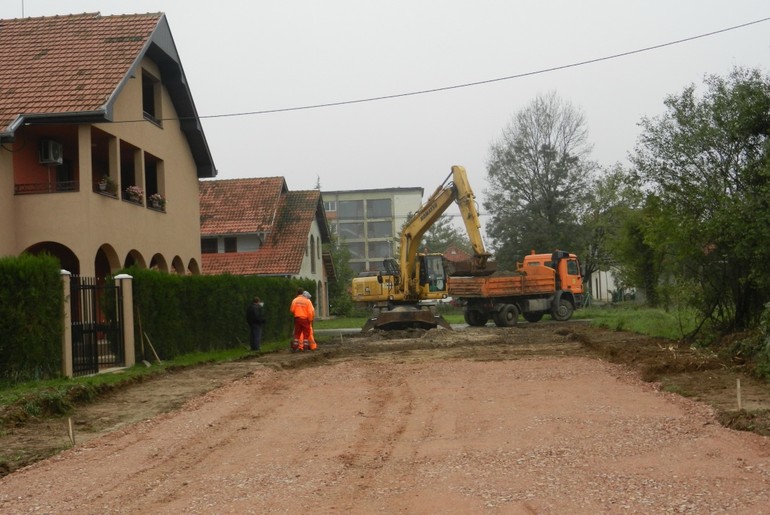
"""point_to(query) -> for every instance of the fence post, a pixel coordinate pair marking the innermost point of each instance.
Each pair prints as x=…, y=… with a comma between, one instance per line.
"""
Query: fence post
x=66, y=340
x=125, y=282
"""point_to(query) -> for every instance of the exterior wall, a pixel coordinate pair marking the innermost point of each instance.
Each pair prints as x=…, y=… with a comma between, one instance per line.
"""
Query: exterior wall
x=321, y=303
x=84, y=220
x=602, y=283
x=7, y=213
x=246, y=243
x=367, y=252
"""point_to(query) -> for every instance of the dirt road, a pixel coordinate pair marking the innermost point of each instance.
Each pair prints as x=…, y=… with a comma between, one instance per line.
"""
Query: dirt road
x=483, y=420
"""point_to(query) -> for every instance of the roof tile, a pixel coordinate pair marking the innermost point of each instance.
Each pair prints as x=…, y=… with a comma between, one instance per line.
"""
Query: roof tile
x=66, y=64
x=258, y=205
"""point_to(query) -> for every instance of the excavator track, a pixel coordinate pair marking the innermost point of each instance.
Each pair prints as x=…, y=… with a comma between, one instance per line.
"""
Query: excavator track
x=399, y=319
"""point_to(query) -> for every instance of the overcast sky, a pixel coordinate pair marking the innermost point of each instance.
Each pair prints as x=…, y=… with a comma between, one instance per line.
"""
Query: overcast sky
x=245, y=56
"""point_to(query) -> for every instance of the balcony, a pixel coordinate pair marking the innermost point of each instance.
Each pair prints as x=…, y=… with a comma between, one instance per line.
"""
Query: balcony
x=153, y=203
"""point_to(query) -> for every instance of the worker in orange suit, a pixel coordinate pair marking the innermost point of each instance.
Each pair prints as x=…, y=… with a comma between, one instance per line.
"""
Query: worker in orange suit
x=303, y=312
x=311, y=338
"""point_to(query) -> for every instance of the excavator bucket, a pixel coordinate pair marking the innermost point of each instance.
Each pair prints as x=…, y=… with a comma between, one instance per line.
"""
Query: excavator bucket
x=405, y=319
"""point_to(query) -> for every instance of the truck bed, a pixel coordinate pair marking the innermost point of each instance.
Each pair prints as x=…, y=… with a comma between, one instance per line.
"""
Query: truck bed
x=530, y=281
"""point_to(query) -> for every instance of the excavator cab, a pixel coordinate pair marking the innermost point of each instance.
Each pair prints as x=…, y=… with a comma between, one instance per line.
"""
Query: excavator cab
x=433, y=273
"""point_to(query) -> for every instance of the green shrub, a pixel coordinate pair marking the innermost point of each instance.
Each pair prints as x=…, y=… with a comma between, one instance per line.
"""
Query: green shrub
x=31, y=317
x=187, y=314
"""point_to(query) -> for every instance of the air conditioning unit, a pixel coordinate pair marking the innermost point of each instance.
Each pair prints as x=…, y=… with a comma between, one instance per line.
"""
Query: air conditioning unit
x=51, y=152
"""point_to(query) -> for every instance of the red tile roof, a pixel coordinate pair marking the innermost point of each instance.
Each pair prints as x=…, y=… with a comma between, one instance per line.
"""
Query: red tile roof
x=240, y=206
x=67, y=64
x=454, y=253
x=259, y=205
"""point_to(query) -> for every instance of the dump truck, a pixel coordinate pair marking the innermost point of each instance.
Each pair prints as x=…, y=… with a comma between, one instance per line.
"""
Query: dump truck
x=541, y=284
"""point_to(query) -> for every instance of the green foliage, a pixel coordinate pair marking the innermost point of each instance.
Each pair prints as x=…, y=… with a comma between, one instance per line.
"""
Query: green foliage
x=706, y=160
x=755, y=347
x=442, y=234
x=639, y=263
x=340, y=303
x=55, y=397
x=538, y=175
x=613, y=198
x=642, y=320
x=31, y=300
x=187, y=314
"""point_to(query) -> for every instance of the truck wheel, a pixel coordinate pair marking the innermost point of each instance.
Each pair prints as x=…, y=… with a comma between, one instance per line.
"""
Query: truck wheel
x=563, y=312
x=475, y=318
x=508, y=316
x=532, y=317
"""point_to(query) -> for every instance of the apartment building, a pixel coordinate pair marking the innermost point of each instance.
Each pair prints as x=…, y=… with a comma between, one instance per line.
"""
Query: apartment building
x=369, y=222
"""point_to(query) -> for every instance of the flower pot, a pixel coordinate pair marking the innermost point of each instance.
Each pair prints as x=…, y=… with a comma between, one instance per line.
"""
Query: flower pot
x=102, y=186
x=156, y=204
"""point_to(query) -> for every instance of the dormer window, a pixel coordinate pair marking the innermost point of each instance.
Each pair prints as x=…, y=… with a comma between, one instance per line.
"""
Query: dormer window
x=151, y=98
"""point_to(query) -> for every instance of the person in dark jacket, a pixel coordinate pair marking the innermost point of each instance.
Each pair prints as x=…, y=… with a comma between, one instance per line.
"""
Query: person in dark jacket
x=255, y=317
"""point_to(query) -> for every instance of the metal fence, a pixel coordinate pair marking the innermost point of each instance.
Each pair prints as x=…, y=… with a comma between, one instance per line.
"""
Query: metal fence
x=97, y=328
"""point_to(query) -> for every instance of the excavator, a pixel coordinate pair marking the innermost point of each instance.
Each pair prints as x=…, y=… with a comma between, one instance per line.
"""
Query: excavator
x=401, y=293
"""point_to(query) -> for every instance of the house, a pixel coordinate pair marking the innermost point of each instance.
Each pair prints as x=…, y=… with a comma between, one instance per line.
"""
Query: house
x=455, y=254
x=369, y=222
x=256, y=226
x=90, y=102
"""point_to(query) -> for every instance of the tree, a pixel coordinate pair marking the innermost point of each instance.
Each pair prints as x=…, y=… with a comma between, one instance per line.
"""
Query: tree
x=639, y=263
x=706, y=160
x=340, y=302
x=612, y=200
x=442, y=234
x=538, y=175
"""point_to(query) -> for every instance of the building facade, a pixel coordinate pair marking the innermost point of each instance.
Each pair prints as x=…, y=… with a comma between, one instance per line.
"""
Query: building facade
x=88, y=118
x=369, y=222
x=256, y=226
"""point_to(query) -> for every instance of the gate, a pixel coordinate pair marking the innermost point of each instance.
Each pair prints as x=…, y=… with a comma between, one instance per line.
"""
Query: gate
x=97, y=328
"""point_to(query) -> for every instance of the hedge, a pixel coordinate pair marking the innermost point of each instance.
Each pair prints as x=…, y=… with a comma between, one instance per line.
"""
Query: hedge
x=180, y=314
x=31, y=317
x=185, y=314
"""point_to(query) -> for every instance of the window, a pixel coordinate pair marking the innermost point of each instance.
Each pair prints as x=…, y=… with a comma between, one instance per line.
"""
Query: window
x=379, y=230
x=330, y=206
x=151, y=98
x=231, y=244
x=379, y=208
x=352, y=231
x=380, y=249
x=350, y=209
x=312, y=254
x=376, y=266
x=153, y=170
x=209, y=245
x=356, y=250
x=357, y=267
x=572, y=267
x=128, y=176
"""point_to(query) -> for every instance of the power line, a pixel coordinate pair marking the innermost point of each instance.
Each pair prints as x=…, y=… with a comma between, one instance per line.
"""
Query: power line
x=487, y=81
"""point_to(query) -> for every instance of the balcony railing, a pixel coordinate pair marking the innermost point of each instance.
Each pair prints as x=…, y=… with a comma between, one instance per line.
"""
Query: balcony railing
x=74, y=186
x=46, y=187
